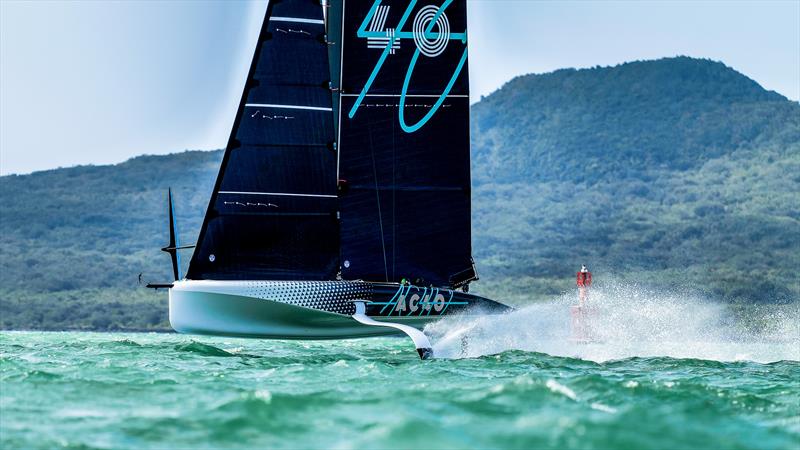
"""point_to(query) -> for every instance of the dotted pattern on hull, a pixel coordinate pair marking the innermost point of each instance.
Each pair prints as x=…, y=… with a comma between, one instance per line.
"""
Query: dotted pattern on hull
x=330, y=296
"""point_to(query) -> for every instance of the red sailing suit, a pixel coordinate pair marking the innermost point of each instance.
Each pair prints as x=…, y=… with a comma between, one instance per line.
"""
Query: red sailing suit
x=584, y=279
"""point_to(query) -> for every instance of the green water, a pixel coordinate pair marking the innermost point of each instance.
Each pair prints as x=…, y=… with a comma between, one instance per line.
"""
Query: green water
x=88, y=390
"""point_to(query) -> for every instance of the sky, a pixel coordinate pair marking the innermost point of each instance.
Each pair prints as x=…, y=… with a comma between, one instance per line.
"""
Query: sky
x=84, y=82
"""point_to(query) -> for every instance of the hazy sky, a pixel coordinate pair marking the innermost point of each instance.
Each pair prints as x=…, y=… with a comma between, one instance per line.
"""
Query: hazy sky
x=98, y=82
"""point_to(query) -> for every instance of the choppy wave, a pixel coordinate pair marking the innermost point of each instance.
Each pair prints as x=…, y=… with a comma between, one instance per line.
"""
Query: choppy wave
x=133, y=391
x=626, y=321
x=202, y=349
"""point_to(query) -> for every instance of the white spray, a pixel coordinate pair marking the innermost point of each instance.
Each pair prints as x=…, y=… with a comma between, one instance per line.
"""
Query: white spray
x=626, y=321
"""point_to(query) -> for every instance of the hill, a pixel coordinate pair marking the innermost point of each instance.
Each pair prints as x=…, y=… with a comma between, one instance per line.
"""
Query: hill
x=74, y=240
x=671, y=172
x=676, y=173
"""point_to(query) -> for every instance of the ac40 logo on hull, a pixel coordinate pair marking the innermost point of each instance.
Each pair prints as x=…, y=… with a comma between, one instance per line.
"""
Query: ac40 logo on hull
x=422, y=302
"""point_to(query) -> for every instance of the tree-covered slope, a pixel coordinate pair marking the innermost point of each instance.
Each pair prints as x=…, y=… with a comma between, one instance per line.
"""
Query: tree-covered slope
x=678, y=172
x=74, y=240
x=588, y=125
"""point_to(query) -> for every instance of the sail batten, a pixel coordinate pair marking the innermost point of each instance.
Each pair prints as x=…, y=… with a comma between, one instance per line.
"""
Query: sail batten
x=267, y=105
x=297, y=20
x=278, y=194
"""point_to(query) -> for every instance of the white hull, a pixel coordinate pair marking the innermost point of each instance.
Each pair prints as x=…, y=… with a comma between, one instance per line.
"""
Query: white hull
x=273, y=309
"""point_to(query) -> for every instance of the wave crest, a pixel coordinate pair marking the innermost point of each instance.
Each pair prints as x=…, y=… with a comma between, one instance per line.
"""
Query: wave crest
x=202, y=349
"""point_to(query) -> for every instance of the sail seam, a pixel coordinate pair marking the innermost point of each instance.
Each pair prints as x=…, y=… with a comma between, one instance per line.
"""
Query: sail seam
x=297, y=19
x=267, y=105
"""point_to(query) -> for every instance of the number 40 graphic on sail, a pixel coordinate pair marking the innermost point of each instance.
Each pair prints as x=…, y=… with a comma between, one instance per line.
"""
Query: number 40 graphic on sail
x=429, y=42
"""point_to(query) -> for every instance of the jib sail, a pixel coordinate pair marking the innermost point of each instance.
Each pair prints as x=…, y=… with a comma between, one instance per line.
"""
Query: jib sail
x=272, y=214
x=349, y=155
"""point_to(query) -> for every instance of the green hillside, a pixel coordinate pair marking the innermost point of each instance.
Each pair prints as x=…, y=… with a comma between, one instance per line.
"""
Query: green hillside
x=74, y=240
x=678, y=172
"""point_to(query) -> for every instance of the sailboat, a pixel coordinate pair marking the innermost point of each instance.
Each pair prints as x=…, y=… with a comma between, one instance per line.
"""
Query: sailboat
x=342, y=204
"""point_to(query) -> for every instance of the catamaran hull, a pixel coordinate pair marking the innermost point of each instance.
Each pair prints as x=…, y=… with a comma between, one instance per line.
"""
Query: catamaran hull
x=310, y=310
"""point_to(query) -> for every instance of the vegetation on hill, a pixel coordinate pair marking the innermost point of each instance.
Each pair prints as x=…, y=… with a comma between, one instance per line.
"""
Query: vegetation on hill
x=677, y=172
x=74, y=240
x=671, y=172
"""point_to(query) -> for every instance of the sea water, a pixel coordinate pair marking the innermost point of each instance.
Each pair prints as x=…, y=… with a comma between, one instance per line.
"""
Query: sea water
x=660, y=373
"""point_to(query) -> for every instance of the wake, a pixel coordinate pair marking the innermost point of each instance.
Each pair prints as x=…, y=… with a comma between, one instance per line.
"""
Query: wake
x=627, y=321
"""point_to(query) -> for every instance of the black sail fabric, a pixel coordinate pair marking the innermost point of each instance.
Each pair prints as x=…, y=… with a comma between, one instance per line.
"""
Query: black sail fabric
x=272, y=214
x=404, y=142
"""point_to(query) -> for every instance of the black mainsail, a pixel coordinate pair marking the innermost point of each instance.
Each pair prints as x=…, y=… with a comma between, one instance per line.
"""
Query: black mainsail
x=405, y=142
x=349, y=156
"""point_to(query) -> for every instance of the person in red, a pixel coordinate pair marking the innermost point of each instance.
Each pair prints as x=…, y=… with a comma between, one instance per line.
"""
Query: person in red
x=581, y=332
x=584, y=280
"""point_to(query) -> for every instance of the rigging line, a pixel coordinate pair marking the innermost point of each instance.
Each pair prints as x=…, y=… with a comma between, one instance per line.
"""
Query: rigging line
x=394, y=201
x=339, y=140
x=378, y=200
x=285, y=194
x=267, y=105
x=296, y=20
